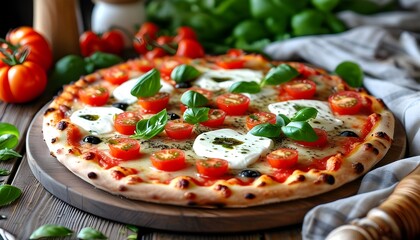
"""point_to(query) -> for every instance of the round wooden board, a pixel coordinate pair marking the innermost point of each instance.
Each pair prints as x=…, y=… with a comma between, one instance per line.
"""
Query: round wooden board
x=64, y=185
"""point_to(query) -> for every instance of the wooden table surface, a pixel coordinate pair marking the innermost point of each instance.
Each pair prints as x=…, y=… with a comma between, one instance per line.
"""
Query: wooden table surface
x=37, y=206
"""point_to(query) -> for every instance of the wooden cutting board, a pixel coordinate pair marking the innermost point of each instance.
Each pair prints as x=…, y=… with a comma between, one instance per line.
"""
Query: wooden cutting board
x=64, y=185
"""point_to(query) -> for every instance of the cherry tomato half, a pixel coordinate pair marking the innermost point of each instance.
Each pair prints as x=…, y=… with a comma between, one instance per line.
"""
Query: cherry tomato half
x=283, y=158
x=154, y=104
x=176, y=129
x=300, y=88
x=320, y=142
x=345, y=102
x=168, y=159
x=257, y=118
x=125, y=123
x=216, y=118
x=233, y=104
x=212, y=168
x=190, y=48
x=115, y=75
x=94, y=95
x=124, y=148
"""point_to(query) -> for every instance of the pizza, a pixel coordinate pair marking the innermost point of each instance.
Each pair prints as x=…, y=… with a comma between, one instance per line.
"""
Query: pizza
x=234, y=130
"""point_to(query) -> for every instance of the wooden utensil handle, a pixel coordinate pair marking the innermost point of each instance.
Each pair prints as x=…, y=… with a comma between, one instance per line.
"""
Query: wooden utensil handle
x=398, y=217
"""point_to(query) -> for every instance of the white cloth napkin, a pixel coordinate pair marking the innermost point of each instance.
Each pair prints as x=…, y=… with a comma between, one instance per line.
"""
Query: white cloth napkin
x=391, y=62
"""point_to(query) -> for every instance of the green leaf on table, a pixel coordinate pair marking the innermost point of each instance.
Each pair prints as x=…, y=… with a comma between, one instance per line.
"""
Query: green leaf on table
x=351, y=72
x=147, y=85
x=195, y=115
x=4, y=172
x=7, y=128
x=299, y=131
x=148, y=128
x=266, y=130
x=193, y=99
x=6, y=154
x=8, y=141
x=51, y=230
x=184, y=73
x=90, y=233
x=280, y=74
x=245, y=87
x=8, y=194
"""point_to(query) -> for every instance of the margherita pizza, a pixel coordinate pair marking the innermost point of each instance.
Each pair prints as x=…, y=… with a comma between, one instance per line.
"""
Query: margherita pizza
x=234, y=130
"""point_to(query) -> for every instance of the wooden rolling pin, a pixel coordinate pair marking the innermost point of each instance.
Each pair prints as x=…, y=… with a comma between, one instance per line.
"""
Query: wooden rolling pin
x=398, y=217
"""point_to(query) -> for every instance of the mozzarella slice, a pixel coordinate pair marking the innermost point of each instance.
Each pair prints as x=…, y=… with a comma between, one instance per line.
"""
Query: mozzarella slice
x=123, y=92
x=96, y=120
x=222, y=79
x=325, y=119
x=246, y=149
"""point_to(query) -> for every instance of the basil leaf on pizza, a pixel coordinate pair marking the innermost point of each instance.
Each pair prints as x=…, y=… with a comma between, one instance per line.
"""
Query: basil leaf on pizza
x=280, y=74
x=305, y=114
x=184, y=73
x=299, y=131
x=266, y=130
x=147, y=85
x=245, y=87
x=148, y=128
x=196, y=115
x=193, y=99
x=351, y=73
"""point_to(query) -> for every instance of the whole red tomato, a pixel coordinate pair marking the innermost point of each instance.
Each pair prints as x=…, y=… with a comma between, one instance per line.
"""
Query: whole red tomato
x=110, y=42
x=22, y=82
x=39, y=49
x=190, y=48
x=185, y=32
x=147, y=32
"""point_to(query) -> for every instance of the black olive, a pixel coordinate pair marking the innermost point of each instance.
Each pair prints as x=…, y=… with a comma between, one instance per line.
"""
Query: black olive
x=348, y=134
x=173, y=116
x=92, y=139
x=122, y=106
x=249, y=173
x=183, y=85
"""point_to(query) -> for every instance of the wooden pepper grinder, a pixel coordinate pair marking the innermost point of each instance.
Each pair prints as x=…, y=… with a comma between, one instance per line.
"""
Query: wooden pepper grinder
x=398, y=217
x=58, y=21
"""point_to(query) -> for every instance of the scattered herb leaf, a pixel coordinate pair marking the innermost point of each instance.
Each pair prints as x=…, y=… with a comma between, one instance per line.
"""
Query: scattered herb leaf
x=196, y=115
x=4, y=172
x=51, y=230
x=193, y=99
x=147, y=85
x=245, y=87
x=90, y=233
x=8, y=194
x=299, y=131
x=184, y=73
x=266, y=130
x=6, y=154
x=7, y=128
x=148, y=128
x=280, y=74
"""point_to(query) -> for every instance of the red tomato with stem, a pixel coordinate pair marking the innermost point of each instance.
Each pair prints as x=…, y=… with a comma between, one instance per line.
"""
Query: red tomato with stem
x=168, y=159
x=216, y=118
x=115, y=75
x=22, y=82
x=94, y=95
x=177, y=129
x=125, y=123
x=320, y=142
x=39, y=49
x=212, y=168
x=124, y=148
x=300, y=88
x=155, y=53
x=190, y=48
x=283, y=158
x=154, y=104
x=345, y=103
x=233, y=104
x=90, y=42
x=257, y=118
x=147, y=32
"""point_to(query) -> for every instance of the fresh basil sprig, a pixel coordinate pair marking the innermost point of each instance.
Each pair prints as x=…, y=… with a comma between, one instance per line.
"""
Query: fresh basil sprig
x=8, y=194
x=296, y=128
x=9, y=138
x=351, y=73
x=147, y=85
x=196, y=115
x=193, y=99
x=277, y=75
x=184, y=73
x=4, y=172
x=148, y=128
x=90, y=233
x=51, y=230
